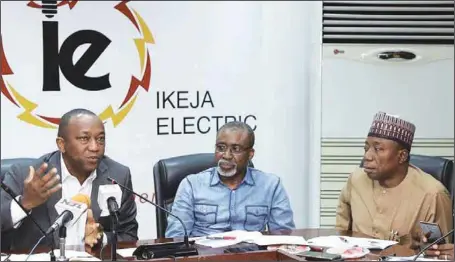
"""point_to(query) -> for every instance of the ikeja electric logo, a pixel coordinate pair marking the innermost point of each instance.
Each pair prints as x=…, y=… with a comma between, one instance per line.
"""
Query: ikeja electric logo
x=31, y=72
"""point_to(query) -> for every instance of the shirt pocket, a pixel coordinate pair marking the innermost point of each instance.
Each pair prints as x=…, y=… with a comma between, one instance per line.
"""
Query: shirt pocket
x=205, y=214
x=255, y=217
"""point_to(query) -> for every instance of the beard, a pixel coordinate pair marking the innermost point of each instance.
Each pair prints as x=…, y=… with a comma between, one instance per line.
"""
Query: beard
x=226, y=173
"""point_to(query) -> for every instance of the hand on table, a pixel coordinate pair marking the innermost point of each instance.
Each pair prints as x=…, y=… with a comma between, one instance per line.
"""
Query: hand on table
x=444, y=251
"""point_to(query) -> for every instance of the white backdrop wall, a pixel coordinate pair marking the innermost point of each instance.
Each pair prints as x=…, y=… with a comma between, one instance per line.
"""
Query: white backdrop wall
x=252, y=58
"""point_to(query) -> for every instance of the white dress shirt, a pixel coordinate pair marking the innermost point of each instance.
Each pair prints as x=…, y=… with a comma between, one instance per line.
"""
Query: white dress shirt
x=70, y=187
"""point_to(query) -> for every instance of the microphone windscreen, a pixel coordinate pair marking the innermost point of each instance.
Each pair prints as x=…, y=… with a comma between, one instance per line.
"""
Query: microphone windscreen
x=77, y=205
x=81, y=198
x=104, y=193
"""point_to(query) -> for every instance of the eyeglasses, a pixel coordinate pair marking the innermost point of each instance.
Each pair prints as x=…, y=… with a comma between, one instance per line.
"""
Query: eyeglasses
x=235, y=149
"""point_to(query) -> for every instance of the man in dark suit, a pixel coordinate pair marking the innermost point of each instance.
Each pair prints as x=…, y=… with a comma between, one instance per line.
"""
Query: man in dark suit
x=78, y=167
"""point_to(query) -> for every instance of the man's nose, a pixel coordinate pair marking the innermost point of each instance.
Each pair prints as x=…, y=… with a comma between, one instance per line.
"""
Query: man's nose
x=368, y=156
x=228, y=154
x=93, y=145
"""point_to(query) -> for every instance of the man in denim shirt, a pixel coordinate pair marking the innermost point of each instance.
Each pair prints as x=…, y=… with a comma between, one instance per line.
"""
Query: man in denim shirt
x=231, y=196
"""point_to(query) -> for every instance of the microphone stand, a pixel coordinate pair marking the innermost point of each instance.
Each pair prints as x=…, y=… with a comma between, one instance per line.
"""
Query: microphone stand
x=62, y=236
x=114, y=223
x=170, y=249
x=53, y=258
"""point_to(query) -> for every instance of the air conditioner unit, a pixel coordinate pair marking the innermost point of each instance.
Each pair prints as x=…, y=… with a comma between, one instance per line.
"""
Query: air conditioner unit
x=388, y=22
x=393, y=56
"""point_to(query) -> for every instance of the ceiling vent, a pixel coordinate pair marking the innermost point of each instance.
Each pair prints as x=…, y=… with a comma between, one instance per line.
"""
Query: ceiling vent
x=389, y=22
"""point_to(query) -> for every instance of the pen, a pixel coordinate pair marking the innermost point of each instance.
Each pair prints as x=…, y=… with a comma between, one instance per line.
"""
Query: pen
x=221, y=238
x=344, y=239
x=317, y=249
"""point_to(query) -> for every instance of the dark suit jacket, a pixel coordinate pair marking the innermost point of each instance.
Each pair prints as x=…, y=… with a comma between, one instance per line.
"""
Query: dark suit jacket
x=25, y=236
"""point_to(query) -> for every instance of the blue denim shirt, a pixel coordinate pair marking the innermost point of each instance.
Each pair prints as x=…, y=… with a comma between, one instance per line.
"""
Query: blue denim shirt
x=207, y=206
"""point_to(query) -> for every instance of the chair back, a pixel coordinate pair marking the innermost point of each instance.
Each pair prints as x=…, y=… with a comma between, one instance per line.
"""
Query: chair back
x=7, y=163
x=440, y=168
x=167, y=175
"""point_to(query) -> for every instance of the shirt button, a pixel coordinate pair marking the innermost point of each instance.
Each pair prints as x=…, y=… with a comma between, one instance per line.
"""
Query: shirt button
x=384, y=191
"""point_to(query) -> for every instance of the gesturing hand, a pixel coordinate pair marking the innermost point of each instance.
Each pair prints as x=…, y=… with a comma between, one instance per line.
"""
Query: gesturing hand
x=93, y=230
x=38, y=188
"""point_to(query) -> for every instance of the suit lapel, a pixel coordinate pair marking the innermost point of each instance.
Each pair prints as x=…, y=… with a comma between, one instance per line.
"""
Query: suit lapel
x=54, y=161
x=101, y=174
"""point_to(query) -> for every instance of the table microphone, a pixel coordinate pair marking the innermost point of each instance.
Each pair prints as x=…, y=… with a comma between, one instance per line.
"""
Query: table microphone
x=433, y=243
x=167, y=249
x=13, y=197
x=109, y=201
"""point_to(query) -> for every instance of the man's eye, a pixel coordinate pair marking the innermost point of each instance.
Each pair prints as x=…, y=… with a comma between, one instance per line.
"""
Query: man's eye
x=236, y=149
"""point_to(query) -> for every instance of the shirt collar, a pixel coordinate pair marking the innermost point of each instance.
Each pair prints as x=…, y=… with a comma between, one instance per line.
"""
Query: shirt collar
x=66, y=174
x=248, y=179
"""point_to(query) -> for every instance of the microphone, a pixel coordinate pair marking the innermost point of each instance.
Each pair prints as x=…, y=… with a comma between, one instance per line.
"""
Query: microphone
x=109, y=199
x=162, y=250
x=69, y=210
x=61, y=220
x=13, y=197
x=433, y=243
x=112, y=205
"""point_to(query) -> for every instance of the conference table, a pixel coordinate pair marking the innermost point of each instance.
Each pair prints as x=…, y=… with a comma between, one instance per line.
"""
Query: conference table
x=217, y=254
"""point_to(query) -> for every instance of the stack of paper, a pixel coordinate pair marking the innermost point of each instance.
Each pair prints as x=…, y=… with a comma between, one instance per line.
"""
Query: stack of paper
x=250, y=237
x=341, y=241
x=71, y=254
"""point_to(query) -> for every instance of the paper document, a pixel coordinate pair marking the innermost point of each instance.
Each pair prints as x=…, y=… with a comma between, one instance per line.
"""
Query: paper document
x=421, y=258
x=34, y=257
x=269, y=240
x=71, y=254
x=126, y=252
x=342, y=241
x=237, y=235
x=76, y=255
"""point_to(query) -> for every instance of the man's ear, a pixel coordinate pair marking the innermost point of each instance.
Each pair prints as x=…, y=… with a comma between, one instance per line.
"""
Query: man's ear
x=60, y=144
x=251, y=154
x=403, y=156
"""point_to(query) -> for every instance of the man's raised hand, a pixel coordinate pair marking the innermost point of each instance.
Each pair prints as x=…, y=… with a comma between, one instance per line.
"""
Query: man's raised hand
x=38, y=187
